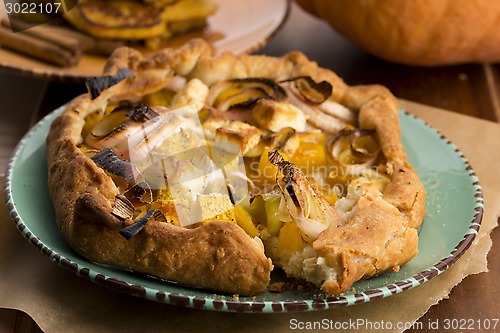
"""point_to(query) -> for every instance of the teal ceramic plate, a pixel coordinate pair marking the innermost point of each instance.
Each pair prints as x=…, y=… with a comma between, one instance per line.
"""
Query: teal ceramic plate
x=454, y=212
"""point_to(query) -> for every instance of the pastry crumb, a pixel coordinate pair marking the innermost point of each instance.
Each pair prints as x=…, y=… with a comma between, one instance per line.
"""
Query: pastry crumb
x=279, y=287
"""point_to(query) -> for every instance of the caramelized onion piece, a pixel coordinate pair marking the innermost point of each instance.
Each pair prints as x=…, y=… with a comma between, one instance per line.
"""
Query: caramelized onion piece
x=364, y=144
x=315, y=115
x=137, y=226
x=141, y=194
x=97, y=84
x=245, y=99
x=339, y=111
x=142, y=113
x=118, y=124
x=310, y=90
x=280, y=141
x=355, y=149
x=313, y=99
x=160, y=216
x=112, y=123
x=115, y=137
x=306, y=205
x=243, y=93
x=108, y=160
x=281, y=138
x=291, y=193
x=123, y=208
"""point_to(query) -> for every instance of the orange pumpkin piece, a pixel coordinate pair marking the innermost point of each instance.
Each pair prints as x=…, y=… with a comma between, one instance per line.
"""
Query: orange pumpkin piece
x=425, y=32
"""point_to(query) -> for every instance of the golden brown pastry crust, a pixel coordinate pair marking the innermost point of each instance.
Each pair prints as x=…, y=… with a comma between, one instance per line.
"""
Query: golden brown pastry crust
x=219, y=255
x=382, y=233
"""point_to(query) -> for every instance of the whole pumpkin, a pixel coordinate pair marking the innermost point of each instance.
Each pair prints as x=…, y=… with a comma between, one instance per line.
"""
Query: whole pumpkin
x=417, y=32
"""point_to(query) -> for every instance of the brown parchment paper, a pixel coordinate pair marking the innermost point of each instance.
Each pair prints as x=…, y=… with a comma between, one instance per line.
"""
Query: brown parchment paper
x=59, y=301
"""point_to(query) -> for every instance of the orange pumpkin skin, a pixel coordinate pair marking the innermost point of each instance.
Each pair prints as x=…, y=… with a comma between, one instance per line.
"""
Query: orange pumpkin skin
x=417, y=32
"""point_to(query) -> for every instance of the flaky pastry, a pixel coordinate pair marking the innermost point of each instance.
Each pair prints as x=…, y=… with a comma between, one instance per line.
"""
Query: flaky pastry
x=211, y=171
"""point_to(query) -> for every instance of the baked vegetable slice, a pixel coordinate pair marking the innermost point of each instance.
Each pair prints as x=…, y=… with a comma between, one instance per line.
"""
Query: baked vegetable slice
x=210, y=171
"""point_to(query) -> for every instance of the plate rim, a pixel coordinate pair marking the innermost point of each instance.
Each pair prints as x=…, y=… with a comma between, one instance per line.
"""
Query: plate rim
x=228, y=305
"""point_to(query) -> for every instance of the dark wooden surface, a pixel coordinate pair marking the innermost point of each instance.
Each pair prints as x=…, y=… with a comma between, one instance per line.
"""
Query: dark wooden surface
x=472, y=89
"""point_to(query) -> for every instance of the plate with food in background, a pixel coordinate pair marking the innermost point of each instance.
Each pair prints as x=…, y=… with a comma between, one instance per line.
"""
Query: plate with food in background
x=77, y=46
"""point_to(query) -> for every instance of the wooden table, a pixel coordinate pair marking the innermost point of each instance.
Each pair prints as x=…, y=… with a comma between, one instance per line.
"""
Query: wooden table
x=472, y=89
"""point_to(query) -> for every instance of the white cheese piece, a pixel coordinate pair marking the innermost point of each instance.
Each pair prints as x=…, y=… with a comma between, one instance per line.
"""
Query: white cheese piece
x=212, y=207
x=274, y=116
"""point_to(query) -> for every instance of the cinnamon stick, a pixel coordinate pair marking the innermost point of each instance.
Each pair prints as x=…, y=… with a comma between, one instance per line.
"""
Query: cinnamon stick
x=37, y=48
x=72, y=40
x=47, y=34
x=66, y=37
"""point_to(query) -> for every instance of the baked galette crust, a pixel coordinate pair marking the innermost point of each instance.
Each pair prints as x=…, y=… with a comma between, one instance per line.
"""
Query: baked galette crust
x=379, y=234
